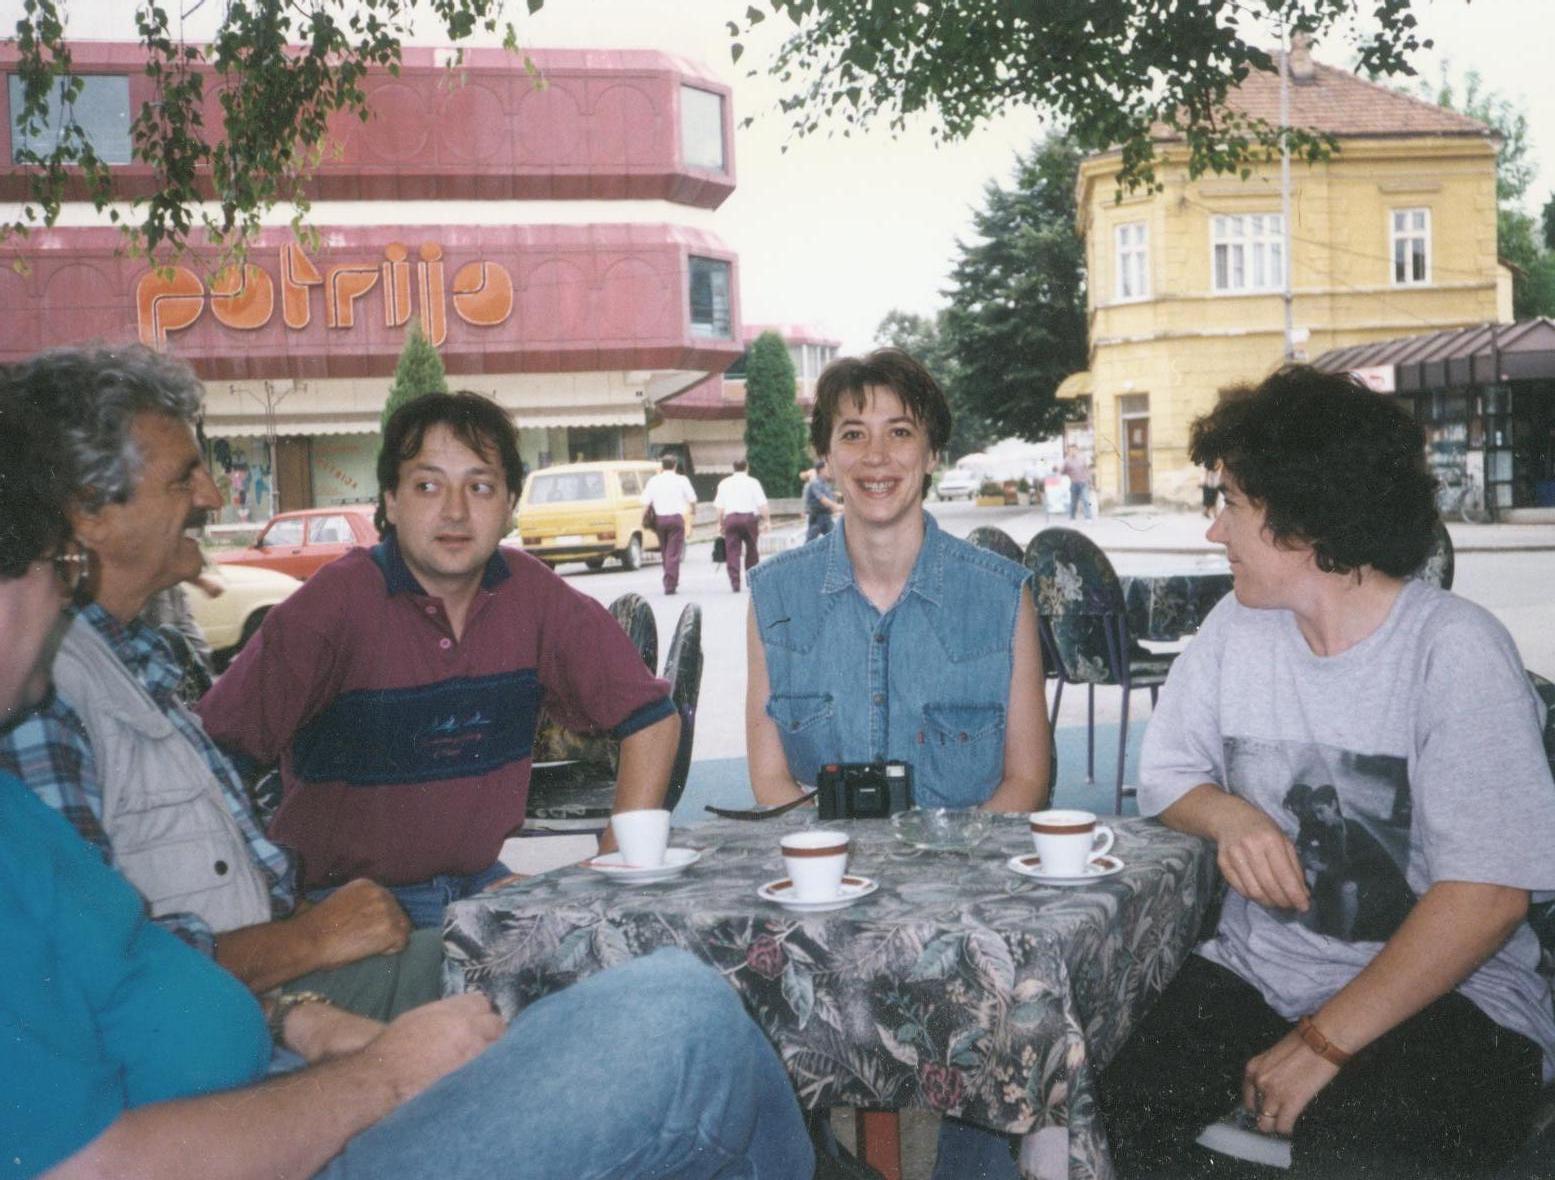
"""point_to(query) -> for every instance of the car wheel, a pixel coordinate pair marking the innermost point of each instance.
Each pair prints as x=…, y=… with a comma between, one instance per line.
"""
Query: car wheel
x=632, y=555
x=595, y=563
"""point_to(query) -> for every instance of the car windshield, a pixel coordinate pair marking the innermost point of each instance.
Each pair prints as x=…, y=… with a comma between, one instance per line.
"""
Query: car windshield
x=561, y=487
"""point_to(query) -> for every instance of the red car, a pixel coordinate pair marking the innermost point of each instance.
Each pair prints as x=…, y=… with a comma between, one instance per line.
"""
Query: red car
x=297, y=543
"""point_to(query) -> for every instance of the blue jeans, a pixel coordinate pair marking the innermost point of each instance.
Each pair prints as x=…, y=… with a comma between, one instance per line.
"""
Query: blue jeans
x=651, y=1069
x=969, y=1152
x=424, y=901
x=1077, y=497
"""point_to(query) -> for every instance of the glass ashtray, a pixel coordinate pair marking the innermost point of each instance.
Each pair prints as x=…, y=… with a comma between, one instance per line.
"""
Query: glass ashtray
x=942, y=829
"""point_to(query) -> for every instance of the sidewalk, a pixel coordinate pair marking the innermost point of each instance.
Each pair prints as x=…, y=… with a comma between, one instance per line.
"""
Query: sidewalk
x=1153, y=530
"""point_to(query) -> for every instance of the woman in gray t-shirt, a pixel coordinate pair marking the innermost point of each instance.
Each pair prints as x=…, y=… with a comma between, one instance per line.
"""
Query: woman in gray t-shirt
x=1365, y=750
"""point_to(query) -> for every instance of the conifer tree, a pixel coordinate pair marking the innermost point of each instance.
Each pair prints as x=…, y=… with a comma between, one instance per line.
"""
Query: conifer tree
x=420, y=370
x=774, y=424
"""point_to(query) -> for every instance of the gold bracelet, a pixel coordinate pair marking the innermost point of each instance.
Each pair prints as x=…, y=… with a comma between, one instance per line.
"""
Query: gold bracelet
x=283, y=1004
x=1320, y=1044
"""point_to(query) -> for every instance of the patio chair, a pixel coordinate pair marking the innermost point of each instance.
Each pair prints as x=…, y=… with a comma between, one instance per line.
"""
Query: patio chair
x=1083, y=621
x=574, y=778
x=995, y=540
x=1437, y=569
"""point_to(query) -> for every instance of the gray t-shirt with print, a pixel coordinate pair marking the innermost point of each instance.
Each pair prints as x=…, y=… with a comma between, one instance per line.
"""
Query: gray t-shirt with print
x=1413, y=757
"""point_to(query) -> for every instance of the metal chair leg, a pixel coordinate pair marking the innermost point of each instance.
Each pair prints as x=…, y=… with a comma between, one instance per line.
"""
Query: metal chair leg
x=1090, y=733
x=1058, y=696
x=1117, y=800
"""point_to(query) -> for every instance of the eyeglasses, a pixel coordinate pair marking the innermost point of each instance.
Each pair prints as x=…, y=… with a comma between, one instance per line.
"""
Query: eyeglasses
x=72, y=567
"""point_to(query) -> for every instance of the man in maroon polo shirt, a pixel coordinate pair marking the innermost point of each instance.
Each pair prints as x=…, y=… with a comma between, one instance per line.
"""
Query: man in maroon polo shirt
x=399, y=686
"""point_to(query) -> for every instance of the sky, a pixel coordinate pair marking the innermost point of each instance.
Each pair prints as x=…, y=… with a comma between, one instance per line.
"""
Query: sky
x=835, y=232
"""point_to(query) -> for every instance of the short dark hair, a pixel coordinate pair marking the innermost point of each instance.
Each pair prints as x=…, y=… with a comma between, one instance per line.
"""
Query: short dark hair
x=36, y=487
x=667, y=462
x=892, y=369
x=1332, y=464
x=475, y=420
x=741, y=464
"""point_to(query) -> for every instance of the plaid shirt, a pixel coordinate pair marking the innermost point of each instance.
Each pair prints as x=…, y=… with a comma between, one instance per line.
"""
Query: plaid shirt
x=49, y=750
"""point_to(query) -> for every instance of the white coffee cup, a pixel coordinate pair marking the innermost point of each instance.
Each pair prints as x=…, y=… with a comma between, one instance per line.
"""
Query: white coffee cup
x=1067, y=840
x=642, y=837
x=816, y=860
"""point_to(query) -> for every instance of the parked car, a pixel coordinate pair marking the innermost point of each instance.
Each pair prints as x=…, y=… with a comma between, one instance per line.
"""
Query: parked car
x=297, y=543
x=959, y=484
x=587, y=512
x=230, y=619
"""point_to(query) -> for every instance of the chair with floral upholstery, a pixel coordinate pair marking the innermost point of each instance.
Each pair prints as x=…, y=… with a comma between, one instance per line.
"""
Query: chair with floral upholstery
x=1437, y=569
x=574, y=772
x=1084, y=626
x=995, y=540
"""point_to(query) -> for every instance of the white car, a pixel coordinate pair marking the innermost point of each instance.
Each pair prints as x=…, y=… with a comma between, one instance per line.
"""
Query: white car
x=959, y=484
x=230, y=619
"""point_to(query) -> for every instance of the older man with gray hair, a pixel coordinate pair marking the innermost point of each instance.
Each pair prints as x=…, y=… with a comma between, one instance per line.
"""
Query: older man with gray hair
x=119, y=755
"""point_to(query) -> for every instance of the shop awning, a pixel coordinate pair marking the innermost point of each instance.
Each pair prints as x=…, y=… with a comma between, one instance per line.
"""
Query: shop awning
x=1075, y=385
x=1480, y=355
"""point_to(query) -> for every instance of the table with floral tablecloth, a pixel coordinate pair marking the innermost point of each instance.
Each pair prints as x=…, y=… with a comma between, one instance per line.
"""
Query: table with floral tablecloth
x=958, y=985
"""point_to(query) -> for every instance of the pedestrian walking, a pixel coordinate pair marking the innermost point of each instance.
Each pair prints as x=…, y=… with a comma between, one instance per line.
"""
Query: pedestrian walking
x=742, y=514
x=1078, y=469
x=1211, y=489
x=671, y=497
x=821, y=503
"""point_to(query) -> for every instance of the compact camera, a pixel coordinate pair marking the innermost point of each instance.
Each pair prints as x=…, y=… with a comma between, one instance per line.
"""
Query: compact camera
x=863, y=790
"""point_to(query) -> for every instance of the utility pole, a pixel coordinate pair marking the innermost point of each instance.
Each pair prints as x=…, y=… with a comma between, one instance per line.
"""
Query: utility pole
x=1288, y=293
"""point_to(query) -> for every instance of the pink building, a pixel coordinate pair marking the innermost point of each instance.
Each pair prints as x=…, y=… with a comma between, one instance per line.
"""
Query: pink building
x=557, y=245
x=707, y=421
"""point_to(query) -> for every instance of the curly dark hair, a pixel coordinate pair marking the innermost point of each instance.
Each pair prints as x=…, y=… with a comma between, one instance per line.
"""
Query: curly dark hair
x=1332, y=464
x=851, y=376
x=35, y=484
x=475, y=420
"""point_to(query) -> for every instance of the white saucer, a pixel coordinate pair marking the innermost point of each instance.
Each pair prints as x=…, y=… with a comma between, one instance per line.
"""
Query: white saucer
x=676, y=861
x=781, y=892
x=1030, y=865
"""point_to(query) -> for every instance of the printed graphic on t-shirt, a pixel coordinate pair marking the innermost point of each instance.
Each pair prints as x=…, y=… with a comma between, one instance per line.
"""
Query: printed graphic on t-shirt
x=1348, y=815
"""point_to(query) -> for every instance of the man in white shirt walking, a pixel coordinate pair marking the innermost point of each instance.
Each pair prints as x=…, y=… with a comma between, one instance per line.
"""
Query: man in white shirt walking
x=671, y=496
x=742, y=513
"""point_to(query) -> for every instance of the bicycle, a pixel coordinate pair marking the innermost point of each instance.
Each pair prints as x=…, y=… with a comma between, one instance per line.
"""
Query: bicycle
x=1461, y=495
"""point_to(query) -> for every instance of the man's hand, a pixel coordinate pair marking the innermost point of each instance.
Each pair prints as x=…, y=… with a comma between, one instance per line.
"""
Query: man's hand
x=1278, y=1084
x=1256, y=858
x=429, y=1042
x=359, y=919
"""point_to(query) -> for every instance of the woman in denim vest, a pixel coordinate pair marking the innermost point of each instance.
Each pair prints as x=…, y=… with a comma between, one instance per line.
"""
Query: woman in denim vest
x=888, y=639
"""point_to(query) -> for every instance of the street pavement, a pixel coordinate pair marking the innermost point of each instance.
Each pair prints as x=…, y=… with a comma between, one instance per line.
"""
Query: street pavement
x=1508, y=569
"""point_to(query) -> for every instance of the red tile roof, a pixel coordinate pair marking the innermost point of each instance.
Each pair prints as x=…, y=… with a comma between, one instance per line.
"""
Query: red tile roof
x=1342, y=104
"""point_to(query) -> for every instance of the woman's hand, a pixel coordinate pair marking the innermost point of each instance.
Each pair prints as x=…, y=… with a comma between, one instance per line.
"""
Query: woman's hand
x=1278, y=1083
x=1255, y=857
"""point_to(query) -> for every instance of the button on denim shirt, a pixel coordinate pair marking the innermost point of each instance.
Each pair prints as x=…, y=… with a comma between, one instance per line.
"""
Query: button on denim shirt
x=926, y=682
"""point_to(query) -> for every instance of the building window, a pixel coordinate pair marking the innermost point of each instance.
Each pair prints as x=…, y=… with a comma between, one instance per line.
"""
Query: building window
x=1411, y=246
x=1133, y=254
x=1249, y=252
x=710, y=307
x=702, y=129
x=101, y=111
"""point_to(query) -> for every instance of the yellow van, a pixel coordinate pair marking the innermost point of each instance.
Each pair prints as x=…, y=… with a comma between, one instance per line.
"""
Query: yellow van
x=587, y=512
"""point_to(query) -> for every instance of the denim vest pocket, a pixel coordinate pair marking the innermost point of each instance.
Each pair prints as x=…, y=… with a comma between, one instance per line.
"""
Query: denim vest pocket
x=961, y=754
x=807, y=725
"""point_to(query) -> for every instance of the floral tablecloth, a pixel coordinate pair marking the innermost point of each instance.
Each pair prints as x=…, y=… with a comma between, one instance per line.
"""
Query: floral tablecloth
x=1166, y=607
x=958, y=986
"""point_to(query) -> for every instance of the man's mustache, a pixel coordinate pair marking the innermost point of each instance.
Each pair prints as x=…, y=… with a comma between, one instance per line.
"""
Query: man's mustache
x=197, y=519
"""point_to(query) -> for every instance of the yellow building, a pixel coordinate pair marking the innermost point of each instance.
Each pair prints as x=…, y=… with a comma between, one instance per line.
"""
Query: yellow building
x=1394, y=234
